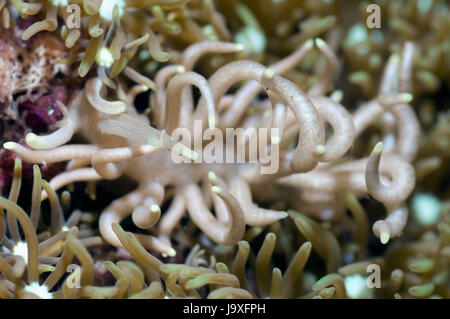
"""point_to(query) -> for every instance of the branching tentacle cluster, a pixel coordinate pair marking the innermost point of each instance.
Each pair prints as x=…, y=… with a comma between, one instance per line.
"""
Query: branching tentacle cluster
x=141, y=146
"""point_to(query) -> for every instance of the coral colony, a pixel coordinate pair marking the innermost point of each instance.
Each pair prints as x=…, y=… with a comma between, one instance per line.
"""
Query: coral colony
x=224, y=149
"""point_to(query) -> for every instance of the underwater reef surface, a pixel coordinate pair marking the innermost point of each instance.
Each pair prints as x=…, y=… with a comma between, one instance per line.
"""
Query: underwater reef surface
x=224, y=149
